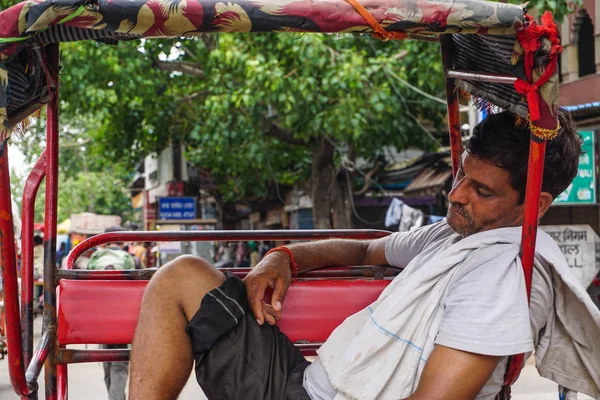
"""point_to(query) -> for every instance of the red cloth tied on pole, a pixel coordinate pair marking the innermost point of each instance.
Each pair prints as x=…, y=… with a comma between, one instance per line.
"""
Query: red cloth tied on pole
x=530, y=39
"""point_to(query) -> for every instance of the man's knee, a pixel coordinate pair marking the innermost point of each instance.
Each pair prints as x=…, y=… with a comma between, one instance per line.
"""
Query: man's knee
x=185, y=280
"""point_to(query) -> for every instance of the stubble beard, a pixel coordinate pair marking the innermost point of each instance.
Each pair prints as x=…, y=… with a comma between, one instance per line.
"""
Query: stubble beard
x=466, y=229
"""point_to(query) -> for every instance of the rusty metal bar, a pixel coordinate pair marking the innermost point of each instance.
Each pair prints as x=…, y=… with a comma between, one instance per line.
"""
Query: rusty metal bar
x=8, y=265
x=72, y=356
x=189, y=236
x=51, y=66
x=480, y=76
x=38, y=360
x=377, y=272
x=456, y=149
x=36, y=176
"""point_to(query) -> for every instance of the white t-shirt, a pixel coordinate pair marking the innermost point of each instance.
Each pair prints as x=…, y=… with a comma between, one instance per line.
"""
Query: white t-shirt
x=482, y=313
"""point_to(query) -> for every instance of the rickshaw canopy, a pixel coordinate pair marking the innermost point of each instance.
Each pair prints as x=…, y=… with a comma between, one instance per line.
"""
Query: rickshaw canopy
x=484, y=35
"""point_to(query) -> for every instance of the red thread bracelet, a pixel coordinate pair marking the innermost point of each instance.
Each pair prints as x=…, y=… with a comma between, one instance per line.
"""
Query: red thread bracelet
x=293, y=264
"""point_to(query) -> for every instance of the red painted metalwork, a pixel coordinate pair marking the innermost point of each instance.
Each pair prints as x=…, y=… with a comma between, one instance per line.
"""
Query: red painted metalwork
x=456, y=149
x=9, y=277
x=50, y=220
x=72, y=356
x=480, y=76
x=535, y=174
x=86, y=312
x=188, y=236
x=367, y=271
x=32, y=185
x=62, y=381
x=38, y=360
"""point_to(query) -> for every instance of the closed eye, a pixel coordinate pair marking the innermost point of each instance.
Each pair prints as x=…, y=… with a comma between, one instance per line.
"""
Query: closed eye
x=482, y=192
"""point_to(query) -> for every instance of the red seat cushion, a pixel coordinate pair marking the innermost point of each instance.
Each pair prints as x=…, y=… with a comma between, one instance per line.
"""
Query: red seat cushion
x=97, y=312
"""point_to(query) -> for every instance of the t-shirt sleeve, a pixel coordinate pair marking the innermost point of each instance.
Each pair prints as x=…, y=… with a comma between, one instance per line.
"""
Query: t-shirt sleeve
x=486, y=310
x=402, y=247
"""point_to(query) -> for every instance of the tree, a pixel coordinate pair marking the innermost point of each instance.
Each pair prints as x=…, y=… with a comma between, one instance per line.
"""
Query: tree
x=88, y=181
x=257, y=108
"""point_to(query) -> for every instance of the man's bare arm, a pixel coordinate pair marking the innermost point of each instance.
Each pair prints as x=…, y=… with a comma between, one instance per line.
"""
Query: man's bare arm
x=453, y=374
x=274, y=272
x=338, y=252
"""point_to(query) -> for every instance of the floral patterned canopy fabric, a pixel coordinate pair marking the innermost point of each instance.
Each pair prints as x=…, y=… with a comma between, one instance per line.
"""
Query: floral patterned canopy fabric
x=490, y=29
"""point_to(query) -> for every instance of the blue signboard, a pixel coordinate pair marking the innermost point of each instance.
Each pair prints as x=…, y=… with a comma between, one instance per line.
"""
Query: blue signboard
x=176, y=208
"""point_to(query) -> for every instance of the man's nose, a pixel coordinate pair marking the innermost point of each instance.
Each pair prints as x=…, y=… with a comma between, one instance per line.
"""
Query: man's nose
x=458, y=194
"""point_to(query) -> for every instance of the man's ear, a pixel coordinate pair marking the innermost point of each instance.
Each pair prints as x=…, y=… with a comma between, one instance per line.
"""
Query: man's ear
x=546, y=200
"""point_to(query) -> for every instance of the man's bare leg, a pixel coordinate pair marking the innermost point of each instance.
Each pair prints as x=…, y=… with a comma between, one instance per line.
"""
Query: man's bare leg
x=161, y=358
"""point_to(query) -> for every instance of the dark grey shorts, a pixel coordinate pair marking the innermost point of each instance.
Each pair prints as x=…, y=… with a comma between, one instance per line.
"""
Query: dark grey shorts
x=238, y=359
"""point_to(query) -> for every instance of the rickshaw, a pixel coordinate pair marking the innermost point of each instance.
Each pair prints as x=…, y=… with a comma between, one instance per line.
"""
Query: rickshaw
x=494, y=52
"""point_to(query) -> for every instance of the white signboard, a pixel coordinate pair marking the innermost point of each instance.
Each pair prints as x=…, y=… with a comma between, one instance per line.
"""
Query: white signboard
x=581, y=247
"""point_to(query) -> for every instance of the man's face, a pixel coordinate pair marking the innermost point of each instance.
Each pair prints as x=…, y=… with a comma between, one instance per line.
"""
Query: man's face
x=482, y=198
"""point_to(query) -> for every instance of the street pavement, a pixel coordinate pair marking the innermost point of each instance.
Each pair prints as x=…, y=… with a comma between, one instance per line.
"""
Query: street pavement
x=86, y=381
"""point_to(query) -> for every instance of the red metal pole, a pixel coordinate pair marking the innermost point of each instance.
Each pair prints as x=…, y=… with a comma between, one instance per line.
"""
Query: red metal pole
x=38, y=359
x=28, y=209
x=9, y=276
x=456, y=148
x=62, y=378
x=535, y=174
x=377, y=272
x=185, y=236
x=51, y=218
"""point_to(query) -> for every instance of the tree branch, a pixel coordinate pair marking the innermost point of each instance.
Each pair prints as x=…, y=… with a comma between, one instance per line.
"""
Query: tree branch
x=184, y=67
x=286, y=136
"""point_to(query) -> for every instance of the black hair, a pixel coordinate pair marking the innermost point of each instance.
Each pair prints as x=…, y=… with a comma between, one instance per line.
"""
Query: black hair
x=37, y=240
x=503, y=139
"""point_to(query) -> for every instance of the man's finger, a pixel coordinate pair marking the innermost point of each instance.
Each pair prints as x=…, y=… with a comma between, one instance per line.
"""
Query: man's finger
x=267, y=309
x=269, y=319
x=256, y=293
x=281, y=287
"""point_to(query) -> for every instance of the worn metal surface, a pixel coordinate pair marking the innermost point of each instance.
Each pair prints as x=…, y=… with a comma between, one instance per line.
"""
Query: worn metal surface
x=72, y=356
x=191, y=236
x=456, y=149
x=9, y=277
x=50, y=218
x=38, y=360
x=36, y=176
x=377, y=272
x=481, y=77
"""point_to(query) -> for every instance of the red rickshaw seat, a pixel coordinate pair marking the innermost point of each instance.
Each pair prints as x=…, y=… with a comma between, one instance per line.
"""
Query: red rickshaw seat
x=106, y=312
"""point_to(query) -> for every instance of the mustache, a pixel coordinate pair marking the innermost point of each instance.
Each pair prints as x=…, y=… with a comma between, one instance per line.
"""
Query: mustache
x=460, y=210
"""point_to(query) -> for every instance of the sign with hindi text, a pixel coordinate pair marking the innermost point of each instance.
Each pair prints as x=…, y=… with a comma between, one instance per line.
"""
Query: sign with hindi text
x=581, y=247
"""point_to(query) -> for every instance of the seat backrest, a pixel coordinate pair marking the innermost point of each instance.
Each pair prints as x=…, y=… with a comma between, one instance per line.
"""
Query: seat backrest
x=106, y=312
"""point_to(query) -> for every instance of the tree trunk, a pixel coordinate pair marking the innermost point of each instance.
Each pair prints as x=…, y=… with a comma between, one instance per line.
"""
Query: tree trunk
x=331, y=207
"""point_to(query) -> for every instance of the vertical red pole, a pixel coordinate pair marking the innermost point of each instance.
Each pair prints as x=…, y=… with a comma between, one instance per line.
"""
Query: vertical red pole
x=456, y=149
x=535, y=174
x=62, y=381
x=51, y=218
x=9, y=276
x=28, y=209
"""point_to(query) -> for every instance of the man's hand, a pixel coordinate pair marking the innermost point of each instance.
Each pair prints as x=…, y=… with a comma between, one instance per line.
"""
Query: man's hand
x=274, y=272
